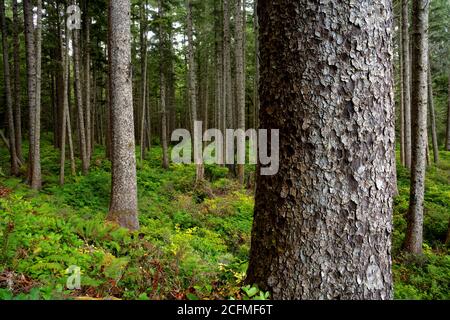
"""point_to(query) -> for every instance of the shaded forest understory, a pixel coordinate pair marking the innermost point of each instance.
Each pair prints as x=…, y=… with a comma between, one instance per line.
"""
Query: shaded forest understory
x=193, y=242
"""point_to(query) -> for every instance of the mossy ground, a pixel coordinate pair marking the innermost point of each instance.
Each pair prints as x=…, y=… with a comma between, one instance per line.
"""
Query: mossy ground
x=193, y=242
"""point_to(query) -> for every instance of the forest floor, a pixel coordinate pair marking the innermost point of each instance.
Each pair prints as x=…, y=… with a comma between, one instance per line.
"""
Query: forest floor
x=193, y=242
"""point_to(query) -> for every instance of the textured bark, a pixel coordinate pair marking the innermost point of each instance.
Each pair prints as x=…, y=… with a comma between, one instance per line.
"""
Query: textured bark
x=7, y=85
x=17, y=87
x=322, y=225
x=31, y=79
x=419, y=98
x=162, y=43
x=406, y=70
x=36, y=181
x=240, y=77
x=123, y=207
x=193, y=82
x=432, y=117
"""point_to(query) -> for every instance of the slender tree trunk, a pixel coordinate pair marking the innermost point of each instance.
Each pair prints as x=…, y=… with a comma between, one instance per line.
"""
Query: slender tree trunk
x=220, y=106
x=79, y=101
x=162, y=89
x=17, y=87
x=94, y=111
x=406, y=70
x=228, y=97
x=36, y=181
x=414, y=234
x=193, y=91
x=123, y=207
x=432, y=117
x=257, y=67
x=143, y=79
x=402, y=94
x=7, y=85
x=31, y=80
x=65, y=106
x=323, y=223
x=87, y=79
x=68, y=117
x=240, y=77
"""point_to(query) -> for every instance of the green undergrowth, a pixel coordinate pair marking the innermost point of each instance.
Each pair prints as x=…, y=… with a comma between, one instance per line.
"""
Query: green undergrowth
x=426, y=277
x=193, y=242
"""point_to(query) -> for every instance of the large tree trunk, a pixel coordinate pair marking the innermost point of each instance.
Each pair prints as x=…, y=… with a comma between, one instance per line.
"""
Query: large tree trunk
x=17, y=87
x=240, y=77
x=7, y=85
x=123, y=207
x=419, y=97
x=432, y=117
x=406, y=70
x=193, y=92
x=323, y=224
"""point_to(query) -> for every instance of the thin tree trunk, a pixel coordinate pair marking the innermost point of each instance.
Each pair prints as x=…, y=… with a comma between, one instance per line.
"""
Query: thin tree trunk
x=162, y=89
x=406, y=70
x=257, y=67
x=323, y=222
x=414, y=234
x=36, y=181
x=123, y=208
x=228, y=97
x=7, y=85
x=68, y=117
x=193, y=92
x=432, y=117
x=240, y=77
x=65, y=106
x=17, y=87
x=143, y=79
x=79, y=101
x=402, y=95
x=31, y=81
x=87, y=79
